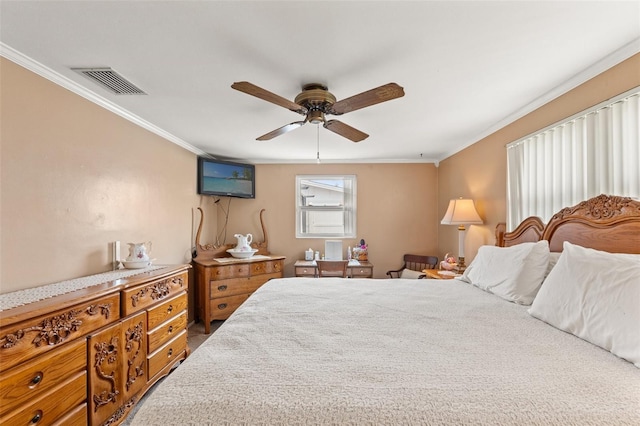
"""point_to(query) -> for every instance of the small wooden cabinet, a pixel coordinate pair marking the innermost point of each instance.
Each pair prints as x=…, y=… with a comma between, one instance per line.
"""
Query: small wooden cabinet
x=87, y=356
x=307, y=268
x=222, y=286
x=117, y=361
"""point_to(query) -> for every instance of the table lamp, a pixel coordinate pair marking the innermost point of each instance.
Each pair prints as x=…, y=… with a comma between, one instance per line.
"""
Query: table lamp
x=461, y=212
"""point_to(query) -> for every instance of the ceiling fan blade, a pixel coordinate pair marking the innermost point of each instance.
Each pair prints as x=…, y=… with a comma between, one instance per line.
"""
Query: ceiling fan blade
x=370, y=97
x=281, y=131
x=258, y=92
x=345, y=130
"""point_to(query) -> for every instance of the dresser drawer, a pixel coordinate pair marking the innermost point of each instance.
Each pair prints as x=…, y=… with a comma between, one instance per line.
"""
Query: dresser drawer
x=52, y=405
x=361, y=272
x=235, y=286
x=168, y=353
x=76, y=417
x=42, y=334
x=222, y=307
x=141, y=297
x=230, y=271
x=165, y=332
x=26, y=382
x=172, y=307
x=268, y=267
x=305, y=271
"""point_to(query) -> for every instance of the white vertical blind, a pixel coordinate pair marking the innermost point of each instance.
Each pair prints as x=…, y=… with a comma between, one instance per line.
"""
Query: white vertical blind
x=595, y=152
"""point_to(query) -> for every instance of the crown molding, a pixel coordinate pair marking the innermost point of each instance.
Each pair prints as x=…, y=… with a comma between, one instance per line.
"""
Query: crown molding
x=609, y=61
x=57, y=78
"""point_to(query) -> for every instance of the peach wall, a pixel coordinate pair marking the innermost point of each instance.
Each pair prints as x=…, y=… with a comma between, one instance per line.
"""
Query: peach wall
x=396, y=211
x=76, y=177
x=479, y=171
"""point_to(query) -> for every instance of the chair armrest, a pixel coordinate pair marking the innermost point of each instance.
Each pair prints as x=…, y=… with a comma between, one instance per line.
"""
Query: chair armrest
x=394, y=271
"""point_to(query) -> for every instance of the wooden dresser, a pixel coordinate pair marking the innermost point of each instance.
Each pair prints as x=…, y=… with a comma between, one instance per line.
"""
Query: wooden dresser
x=86, y=356
x=222, y=286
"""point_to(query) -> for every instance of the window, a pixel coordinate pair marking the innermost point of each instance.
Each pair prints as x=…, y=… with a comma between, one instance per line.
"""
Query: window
x=594, y=152
x=326, y=206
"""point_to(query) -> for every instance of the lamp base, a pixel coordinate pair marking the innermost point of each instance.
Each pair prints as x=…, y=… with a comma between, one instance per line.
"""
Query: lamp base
x=460, y=267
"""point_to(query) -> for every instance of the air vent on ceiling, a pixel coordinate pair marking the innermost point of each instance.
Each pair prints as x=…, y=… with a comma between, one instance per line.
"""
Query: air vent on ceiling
x=111, y=80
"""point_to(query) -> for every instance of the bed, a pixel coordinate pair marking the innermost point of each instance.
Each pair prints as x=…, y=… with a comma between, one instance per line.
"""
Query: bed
x=362, y=351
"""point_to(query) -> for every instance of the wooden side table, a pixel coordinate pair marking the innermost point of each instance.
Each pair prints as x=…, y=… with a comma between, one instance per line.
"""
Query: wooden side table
x=307, y=268
x=437, y=274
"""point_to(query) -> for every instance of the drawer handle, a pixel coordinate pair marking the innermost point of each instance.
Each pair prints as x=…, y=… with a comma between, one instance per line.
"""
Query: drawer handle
x=170, y=329
x=170, y=309
x=170, y=352
x=222, y=306
x=37, y=417
x=222, y=287
x=37, y=378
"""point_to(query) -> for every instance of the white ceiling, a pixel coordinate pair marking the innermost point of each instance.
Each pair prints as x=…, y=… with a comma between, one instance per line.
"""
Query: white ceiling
x=467, y=67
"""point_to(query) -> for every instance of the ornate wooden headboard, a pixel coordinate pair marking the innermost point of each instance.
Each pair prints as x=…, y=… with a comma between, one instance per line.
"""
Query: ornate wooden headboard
x=530, y=230
x=606, y=222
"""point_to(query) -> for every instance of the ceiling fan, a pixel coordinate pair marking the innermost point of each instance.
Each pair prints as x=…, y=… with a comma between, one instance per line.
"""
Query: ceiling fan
x=315, y=101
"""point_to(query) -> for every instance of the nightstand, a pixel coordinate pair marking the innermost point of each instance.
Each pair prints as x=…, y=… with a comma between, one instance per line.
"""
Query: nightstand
x=308, y=268
x=437, y=274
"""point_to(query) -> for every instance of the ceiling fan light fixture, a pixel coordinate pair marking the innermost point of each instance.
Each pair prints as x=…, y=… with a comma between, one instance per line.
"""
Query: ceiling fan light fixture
x=315, y=117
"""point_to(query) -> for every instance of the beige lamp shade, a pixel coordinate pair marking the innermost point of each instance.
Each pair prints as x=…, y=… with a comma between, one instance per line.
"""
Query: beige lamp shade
x=461, y=212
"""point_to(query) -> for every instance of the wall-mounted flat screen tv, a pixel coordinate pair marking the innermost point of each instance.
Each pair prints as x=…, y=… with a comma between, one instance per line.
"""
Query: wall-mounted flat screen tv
x=226, y=178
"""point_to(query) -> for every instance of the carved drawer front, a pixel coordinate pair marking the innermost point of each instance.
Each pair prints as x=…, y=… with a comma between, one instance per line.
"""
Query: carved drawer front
x=44, y=333
x=169, y=309
x=267, y=267
x=26, y=382
x=134, y=337
x=230, y=271
x=165, y=332
x=167, y=353
x=222, y=307
x=141, y=297
x=52, y=405
x=117, y=367
x=76, y=417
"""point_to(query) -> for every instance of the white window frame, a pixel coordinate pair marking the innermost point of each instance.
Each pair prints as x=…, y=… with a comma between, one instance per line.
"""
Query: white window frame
x=346, y=208
x=593, y=152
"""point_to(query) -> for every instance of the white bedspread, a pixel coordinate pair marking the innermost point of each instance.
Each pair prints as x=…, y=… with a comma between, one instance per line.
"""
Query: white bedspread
x=361, y=351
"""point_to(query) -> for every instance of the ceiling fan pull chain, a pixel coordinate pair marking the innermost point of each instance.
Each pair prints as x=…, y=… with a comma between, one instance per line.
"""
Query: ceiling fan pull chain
x=318, y=143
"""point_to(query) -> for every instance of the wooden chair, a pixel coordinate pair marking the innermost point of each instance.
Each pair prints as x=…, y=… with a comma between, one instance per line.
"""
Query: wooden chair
x=414, y=264
x=332, y=268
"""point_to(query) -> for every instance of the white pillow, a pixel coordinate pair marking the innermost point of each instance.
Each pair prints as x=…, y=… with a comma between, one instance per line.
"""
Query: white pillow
x=411, y=274
x=513, y=273
x=594, y=295
x=553, y=259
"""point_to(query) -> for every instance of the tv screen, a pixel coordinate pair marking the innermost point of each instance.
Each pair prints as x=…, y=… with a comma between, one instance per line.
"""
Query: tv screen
x=225, y=178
